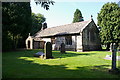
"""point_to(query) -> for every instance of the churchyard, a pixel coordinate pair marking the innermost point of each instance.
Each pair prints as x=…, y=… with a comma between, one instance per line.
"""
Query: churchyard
x=47, y=52
x=90, y=64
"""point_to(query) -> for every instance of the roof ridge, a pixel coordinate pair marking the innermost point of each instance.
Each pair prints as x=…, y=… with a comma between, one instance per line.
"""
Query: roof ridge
x=69, y=24
x=69, y=28
x=86, y=24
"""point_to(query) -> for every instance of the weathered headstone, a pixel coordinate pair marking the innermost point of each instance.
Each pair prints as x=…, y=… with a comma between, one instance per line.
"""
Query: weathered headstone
x=48, y=51
x=62, y=48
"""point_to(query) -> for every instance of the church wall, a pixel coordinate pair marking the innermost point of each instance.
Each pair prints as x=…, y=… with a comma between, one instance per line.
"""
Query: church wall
x=79, y=43
x=60, y=40
x=87, y=40
x=90, y=38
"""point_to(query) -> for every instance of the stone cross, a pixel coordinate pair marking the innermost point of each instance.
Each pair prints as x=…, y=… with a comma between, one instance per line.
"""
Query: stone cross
x=114, y=69
x=48, y=50
x=62, y=48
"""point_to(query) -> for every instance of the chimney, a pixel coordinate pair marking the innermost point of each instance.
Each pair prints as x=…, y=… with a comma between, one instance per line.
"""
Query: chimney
x=81, y=19
x=44, y=26
x=91, y=17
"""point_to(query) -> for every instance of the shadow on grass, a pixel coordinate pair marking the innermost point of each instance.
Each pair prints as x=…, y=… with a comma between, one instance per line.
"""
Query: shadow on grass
x=29, y=69
x=14, y=67
x=57, y=54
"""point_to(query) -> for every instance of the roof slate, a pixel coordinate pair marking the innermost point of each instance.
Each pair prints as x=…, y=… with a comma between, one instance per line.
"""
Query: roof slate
x=63, y=29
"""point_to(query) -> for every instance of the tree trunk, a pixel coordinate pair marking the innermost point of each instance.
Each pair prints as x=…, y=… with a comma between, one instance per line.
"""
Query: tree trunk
x=13, y=42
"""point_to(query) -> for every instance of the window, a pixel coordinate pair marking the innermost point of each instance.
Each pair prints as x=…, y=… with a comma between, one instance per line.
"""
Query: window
x=53, y=40
x=68, y=40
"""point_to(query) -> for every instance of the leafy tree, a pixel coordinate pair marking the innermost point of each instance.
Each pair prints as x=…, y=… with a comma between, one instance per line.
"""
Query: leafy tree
x=44, y=4
x=37, y=20
x=16, y=22
x=109, y=23
x=77, y=16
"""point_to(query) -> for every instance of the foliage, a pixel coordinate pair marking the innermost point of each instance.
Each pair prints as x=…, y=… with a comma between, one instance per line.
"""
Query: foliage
x=71, y=65
x=37, y=20
x=44, y=4
x=77, y=16
x=109, y=23
x=16, y=23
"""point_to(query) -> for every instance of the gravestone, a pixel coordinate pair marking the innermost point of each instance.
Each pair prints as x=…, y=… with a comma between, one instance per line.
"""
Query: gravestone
x=48, y=51
x=62, y=48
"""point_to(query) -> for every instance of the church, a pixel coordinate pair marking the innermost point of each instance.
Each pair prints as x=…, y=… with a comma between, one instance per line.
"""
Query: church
x=79, y=36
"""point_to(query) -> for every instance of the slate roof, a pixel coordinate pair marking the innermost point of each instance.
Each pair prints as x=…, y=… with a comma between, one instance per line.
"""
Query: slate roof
x=72, y=28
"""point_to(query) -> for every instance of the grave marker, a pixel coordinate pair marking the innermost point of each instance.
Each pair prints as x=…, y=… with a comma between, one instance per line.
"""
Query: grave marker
x=62, y=48
x=48, y=50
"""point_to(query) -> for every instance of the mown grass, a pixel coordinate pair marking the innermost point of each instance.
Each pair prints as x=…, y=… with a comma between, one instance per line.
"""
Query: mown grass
x=22, y=64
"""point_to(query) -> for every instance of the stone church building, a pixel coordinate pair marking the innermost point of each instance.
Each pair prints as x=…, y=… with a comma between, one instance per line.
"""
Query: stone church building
x=79, y=36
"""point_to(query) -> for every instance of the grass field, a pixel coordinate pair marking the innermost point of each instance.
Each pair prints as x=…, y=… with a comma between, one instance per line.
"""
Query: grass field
x=22, y=64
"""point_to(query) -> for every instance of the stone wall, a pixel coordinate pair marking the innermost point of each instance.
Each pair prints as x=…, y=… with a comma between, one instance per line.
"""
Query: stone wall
x=90, y=38
x=46, y=39
x=76, y=43
x=79, y=43
x=60, y=40
x=36, y=45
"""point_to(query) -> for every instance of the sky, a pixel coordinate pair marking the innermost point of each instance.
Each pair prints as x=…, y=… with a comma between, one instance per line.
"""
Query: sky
x=62, y=12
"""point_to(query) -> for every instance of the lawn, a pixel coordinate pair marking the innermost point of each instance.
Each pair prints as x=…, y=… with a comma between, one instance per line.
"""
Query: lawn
x=22, y=64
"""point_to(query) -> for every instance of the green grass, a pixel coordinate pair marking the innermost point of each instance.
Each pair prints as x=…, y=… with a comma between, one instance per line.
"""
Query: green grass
x=22, y=64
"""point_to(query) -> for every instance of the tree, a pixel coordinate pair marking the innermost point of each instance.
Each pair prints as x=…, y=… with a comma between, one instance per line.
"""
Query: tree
x=44, y=4
x=16, y=23
x=109, y=23
x=77, y=16
x=37, y=20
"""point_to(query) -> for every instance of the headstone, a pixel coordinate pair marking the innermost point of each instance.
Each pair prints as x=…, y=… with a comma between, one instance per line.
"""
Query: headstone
x=62, y=48
x=48, y=51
